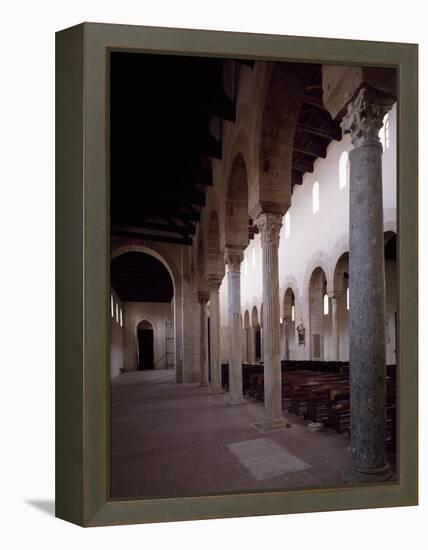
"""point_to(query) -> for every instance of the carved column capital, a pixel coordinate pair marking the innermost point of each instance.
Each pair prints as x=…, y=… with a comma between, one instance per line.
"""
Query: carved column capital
x=214, y=283
x=364, y=116
x=233, y=258
x=269, y=226
x=203, y=297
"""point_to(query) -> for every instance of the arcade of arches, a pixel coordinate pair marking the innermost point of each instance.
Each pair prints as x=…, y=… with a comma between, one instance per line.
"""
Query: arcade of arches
x=253, y=274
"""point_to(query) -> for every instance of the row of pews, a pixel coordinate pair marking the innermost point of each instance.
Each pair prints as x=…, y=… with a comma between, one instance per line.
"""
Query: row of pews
x=318, y=391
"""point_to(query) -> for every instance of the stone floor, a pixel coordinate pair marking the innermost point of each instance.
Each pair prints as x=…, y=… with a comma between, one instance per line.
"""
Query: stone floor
x=172, y=440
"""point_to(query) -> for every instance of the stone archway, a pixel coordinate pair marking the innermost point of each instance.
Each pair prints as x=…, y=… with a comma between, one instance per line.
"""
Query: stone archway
x=121, y=246
x=339, y=298
x=318, y=297
x=391, y=297
x=289, y=324
x=256, y=335
x=247, y=338
x=236, y=240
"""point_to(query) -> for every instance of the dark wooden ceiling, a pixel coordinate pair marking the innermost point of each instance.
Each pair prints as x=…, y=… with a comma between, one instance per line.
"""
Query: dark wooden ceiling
x=161, y=148
x=315, y=128
x=139, y=277
x=161, y=108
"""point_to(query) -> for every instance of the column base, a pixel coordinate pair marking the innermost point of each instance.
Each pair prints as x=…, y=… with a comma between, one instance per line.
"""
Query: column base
x=369, y=475
x=236, y=401
x=203, y=385
x=274, y=424
x=216, y=391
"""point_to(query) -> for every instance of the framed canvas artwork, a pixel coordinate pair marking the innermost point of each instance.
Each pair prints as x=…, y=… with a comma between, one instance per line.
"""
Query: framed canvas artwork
x=236, y=274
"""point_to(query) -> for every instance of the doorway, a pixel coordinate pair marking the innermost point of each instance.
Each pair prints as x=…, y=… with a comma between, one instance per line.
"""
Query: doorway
x=145, y=346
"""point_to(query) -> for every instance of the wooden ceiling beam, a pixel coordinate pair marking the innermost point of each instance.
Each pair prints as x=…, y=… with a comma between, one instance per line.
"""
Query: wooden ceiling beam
x=222, y=106
x=312, y=150
x=296, y=178
x=137, y=234
x=325, y=133
x=303, y=168
x=169, y=226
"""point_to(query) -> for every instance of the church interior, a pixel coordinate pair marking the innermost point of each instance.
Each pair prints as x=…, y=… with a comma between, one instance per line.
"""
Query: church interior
x=253, y=305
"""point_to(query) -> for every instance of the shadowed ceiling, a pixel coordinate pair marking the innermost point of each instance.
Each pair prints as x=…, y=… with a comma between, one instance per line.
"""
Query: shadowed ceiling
x=139, y=277
x=162, y=110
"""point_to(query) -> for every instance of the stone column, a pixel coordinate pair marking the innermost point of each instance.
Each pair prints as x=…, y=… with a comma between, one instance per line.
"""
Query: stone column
x=233, y=259
x=334, y=326
x=269, y=226
x=215, y=284
x=203, y=298
x=367, y=351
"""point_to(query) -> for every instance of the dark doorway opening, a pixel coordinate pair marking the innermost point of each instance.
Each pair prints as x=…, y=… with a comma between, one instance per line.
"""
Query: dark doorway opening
x=145, y=346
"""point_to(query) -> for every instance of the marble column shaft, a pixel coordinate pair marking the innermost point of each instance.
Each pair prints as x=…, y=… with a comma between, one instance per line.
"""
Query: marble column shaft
x=367, y=350
x=269, y=226
x=233, y=259
x=215, y=362
x=203, y=298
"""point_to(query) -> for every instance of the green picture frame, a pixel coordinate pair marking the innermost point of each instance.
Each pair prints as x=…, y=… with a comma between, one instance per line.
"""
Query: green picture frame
x=82, y=272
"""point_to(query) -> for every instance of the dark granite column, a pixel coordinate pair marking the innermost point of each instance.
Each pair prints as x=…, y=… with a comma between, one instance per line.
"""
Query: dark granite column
x=363, y=121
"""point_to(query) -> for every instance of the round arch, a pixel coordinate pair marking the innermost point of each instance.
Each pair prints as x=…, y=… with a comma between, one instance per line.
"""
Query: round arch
x=289, y=324
x=236, y=205
x=317, y=291
x=215, y=263
x=341, y=270
x=122, y=246
x=254, y=317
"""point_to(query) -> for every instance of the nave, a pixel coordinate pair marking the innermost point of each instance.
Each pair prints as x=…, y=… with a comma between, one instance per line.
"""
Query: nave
x=171, y=440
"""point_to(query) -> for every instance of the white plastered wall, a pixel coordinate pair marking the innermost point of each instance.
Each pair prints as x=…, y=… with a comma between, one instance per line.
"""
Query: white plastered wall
x=319, y=240
x=158, y=315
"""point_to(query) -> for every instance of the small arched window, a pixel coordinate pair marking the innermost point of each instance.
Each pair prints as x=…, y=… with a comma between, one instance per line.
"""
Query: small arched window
x=121, y=317
x=292, y=313
x=384, y=133
x=117, y=312
x=347, y=298
x=325, y=304
x=386, y=126
x=287, y=224
x=112, y=305
x=315, y=197
x=343, y=170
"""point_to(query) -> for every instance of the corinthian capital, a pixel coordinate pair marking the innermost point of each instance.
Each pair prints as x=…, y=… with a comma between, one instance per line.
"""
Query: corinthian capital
x=214, y=283
x=233, y=258
x=364, y=115
x=203, y=297
x=269, y=226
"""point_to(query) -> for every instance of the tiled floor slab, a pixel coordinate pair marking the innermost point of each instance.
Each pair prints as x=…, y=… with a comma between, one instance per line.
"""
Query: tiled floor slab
x=266, y=459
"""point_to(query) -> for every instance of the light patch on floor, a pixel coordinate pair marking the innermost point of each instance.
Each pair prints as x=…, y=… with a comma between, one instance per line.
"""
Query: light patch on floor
x=265, y=458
